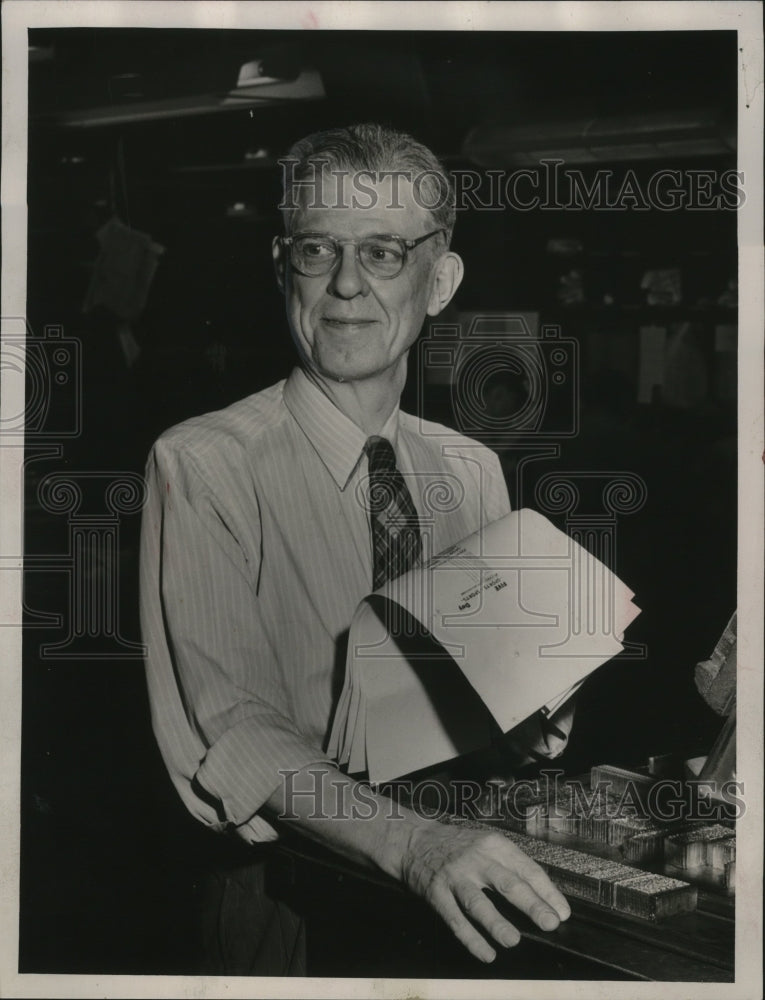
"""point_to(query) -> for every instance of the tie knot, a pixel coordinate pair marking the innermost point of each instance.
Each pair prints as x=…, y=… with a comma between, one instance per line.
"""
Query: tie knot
x=380, y=453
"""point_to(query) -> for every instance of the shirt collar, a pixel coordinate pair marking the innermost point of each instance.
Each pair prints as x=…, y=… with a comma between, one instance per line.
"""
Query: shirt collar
x=337, y=440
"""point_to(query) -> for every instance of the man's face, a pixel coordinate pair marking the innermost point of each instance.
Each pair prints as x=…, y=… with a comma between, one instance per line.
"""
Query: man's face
x=351, y=325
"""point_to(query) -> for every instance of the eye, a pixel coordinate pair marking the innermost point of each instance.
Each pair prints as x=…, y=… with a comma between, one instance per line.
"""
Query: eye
x=382, y=253
x=316, y=248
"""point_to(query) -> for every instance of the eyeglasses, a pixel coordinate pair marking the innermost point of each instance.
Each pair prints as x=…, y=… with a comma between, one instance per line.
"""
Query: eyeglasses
x=315, y=254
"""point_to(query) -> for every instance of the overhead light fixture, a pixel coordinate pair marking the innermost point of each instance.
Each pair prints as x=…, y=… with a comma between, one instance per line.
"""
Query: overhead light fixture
x=650, y=136
x=307, y=86
x=251, y=75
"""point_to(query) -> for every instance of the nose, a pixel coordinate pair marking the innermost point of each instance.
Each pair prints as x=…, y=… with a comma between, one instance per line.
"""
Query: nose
x=348, y=278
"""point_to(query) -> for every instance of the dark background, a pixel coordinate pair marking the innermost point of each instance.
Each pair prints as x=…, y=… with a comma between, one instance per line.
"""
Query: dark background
x=105, y=842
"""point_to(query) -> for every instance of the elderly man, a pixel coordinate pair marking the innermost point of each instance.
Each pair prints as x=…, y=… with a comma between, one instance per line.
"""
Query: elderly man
x=257, y=550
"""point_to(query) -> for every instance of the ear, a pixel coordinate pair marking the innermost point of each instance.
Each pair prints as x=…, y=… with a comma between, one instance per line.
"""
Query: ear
x=280, y=265
x=448, y=274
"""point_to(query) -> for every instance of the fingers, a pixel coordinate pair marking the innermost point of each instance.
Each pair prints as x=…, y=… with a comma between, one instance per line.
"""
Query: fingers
x=540, y=882
x=451, y=869
x=442, y=901
x=518, y=891
x=549, y=892
x=479, y=908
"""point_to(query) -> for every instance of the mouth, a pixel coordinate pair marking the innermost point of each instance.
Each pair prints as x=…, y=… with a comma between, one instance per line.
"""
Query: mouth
x=342, y=321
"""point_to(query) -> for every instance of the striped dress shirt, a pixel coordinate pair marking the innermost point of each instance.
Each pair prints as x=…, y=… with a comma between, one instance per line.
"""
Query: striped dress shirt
x=255, y=552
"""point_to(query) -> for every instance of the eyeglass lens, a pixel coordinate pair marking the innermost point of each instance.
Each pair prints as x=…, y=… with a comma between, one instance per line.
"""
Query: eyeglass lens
x=381, y=256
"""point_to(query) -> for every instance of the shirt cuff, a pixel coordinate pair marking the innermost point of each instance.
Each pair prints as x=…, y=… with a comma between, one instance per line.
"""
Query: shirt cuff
x=248, y=762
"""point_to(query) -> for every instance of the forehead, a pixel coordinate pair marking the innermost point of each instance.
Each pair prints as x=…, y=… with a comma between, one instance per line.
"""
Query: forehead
x=344, y=203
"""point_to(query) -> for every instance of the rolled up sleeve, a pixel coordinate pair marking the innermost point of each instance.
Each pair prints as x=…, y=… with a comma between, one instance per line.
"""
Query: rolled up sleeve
x=219, y=708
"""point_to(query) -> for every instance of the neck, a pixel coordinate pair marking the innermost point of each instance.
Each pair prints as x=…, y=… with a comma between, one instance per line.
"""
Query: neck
x=367, y=402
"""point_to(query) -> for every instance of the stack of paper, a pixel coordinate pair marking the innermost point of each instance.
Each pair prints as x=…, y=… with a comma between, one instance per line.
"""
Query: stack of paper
x=444, y=658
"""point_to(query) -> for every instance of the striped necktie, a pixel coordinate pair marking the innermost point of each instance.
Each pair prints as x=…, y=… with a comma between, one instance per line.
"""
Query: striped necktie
x=395, y=526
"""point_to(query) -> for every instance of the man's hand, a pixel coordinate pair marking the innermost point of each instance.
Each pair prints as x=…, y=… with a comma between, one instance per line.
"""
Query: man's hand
x=450, y=866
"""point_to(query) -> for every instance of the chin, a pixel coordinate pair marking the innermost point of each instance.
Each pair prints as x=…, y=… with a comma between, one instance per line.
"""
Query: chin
x=348, y=372
x=351, y=369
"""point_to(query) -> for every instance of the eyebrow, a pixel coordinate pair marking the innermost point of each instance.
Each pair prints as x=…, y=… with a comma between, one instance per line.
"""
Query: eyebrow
x=369, y=236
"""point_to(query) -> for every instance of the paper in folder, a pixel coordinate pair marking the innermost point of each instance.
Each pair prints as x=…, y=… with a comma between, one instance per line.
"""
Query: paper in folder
x=451, y=654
